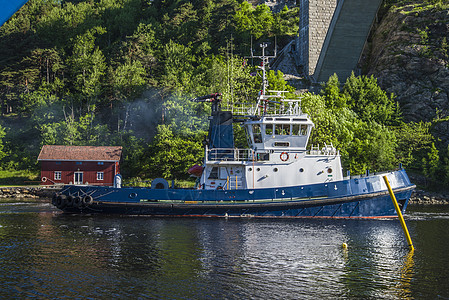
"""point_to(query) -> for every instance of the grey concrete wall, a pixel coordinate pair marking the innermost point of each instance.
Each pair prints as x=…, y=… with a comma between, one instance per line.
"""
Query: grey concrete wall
x=346, y=39
x=332, y=34
x=320, y=17
x=315, y=18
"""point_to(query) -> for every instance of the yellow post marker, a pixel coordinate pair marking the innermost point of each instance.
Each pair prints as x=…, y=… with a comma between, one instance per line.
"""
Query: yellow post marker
x=398, y=210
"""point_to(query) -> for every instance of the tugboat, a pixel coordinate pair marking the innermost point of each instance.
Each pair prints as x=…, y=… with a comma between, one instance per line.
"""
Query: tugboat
x=277, y=176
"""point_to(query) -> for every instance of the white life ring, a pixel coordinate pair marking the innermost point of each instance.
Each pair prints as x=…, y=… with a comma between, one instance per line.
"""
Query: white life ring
x=284, y=156
x=44, y=179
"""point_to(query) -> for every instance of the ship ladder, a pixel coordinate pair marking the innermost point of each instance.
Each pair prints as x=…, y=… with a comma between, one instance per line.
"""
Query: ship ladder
x=234, y=182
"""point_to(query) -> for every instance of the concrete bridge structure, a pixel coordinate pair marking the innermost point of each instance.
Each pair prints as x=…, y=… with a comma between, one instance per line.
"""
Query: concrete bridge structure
x=332, y=35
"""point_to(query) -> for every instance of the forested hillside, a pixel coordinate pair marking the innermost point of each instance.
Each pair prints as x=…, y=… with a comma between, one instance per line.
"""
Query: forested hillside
x=121, y=72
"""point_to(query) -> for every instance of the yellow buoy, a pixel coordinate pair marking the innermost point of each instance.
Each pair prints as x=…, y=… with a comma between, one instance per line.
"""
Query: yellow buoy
x=344, y=246
x=398, y=211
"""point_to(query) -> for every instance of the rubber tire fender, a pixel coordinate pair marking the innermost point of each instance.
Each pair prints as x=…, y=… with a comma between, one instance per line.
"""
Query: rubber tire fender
x=69, y=201
x=77, y=201
x=54, y=199
x=159, y=183
x=61, y=201
x=87, y=200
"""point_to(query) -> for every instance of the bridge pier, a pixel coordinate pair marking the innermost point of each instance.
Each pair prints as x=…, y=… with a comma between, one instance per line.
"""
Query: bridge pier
x=332, y=35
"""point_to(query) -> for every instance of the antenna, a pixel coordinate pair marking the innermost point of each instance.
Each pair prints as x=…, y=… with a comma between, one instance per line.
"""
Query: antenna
x=275, y=45
x=251, y=46
x=252, y=59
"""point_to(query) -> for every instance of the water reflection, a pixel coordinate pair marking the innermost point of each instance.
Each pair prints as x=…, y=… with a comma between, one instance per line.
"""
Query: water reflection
x=407, y=272
x=49, y=255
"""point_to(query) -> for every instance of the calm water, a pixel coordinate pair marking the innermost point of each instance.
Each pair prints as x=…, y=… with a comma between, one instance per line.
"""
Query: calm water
x=45, y=254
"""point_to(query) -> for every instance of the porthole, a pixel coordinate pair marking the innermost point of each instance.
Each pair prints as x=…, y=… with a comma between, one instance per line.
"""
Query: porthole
x=301, y=170
x=258, y=169
x=250, y=169
x=275, y=169
x=329, y=170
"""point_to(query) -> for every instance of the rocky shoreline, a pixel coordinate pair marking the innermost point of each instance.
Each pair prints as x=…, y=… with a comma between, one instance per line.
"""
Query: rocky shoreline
x=32, y=192
x=421, y=197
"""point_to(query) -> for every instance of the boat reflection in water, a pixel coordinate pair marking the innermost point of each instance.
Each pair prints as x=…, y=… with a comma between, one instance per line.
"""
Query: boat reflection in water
x=56, y=255
x=204, y=258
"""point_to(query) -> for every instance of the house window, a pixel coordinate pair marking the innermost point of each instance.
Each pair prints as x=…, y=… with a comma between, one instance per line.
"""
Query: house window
x=78, y=178
x=57, y=175
x=100, y=175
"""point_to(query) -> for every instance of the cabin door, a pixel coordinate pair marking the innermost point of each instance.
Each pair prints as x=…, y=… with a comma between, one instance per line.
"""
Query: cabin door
x=78, y=178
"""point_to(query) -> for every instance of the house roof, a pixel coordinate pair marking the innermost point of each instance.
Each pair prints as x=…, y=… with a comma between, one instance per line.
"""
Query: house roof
x=80, y=153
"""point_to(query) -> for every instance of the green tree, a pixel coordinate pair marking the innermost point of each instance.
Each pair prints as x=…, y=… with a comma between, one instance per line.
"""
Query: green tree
x=333, y=97
x=171, y=156
x=2, y=135
x=88, y=67
x=129, y=80
x=262, y=21
x=286, y=22
x=414, y=141
x=178, y=69
x=369, y=101
x=431, y=163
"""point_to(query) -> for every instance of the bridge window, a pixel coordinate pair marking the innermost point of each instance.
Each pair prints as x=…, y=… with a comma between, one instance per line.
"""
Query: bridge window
x=299, y=129
x=257, y=133
x=269, y=129
x=295, y=129
x=213, y=173
x=263, y=156
x=282, y=129
x=223, y=173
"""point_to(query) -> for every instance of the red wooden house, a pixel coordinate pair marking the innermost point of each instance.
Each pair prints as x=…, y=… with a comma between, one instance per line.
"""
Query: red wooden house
x=79, y=164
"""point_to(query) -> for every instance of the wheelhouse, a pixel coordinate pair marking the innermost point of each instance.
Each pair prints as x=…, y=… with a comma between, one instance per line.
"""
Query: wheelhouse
x=279, y=133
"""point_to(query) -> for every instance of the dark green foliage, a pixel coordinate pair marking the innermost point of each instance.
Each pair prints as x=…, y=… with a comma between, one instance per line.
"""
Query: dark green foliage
x=79, y=72
x=121, y=72
x=170, y=156
x=369, y=101
x=365, y=125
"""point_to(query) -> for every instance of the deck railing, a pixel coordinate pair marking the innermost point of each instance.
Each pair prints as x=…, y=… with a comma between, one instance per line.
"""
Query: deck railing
x=326, y=150
x=269, y=105
x=235, y=154
x=229, y=154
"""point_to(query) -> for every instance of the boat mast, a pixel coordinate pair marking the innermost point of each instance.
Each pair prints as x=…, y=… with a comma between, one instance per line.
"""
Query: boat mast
x=262, y=101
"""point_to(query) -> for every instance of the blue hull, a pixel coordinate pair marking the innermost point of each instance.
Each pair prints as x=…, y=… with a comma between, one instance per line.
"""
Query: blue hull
x=353, y=198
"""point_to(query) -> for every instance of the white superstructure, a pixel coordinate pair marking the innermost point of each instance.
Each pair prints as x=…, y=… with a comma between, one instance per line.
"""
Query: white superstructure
x=278, y=133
